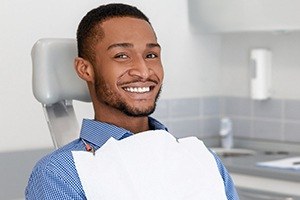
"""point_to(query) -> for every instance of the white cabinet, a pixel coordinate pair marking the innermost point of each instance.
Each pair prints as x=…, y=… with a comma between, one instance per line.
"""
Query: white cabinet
x=265, y=188
x=221, y=16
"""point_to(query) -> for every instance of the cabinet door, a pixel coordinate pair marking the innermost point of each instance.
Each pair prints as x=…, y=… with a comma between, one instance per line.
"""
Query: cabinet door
x=215, y=16
x=246, y=194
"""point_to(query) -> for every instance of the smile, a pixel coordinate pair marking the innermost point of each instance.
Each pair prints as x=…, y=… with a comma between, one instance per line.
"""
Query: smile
x=137, y=89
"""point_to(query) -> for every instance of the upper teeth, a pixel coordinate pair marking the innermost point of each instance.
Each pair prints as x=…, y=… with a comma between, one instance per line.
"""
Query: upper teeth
x=137, y=89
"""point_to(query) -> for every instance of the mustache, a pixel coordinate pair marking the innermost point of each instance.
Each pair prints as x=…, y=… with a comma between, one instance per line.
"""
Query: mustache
x=139, y=80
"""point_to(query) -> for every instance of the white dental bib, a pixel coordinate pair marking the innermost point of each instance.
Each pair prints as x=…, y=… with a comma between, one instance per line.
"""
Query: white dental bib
x=151, y=165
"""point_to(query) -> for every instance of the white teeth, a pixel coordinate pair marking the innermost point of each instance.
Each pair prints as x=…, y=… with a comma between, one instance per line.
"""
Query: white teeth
x=137, y=89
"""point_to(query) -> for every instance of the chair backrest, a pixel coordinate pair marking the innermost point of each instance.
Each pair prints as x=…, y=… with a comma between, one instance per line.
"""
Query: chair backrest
x=55, y=85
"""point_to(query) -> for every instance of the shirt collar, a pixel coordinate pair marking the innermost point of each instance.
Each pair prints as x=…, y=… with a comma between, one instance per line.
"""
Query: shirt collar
x=98, y=133
x=156, y=125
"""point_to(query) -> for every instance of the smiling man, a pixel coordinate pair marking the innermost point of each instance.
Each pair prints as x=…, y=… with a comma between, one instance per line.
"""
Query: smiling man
x=124, y=74
x=120, y=59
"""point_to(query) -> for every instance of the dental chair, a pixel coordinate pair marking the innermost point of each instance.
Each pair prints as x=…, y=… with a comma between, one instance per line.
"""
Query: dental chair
x=55, y=85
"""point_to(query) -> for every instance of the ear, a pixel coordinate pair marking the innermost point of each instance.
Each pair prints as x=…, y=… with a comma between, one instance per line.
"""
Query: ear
x=84, y=69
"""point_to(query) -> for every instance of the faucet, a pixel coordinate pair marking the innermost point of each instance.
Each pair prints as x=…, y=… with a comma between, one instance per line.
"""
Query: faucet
x=226, y=133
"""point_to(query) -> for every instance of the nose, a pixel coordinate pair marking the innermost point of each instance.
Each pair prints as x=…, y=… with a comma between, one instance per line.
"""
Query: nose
x=140, y=68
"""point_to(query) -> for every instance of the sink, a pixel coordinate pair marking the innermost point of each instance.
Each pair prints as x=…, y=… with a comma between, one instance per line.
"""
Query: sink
x=233, y=152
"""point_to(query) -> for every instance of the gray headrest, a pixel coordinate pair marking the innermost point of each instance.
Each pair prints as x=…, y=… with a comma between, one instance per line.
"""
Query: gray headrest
x=54, y=76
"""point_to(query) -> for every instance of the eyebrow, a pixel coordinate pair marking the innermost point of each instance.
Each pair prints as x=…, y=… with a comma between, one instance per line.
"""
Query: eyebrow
x=129, y=45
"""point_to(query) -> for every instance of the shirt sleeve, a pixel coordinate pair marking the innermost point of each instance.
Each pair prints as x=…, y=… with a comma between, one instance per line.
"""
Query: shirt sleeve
x=46, y=184
x=230, y=189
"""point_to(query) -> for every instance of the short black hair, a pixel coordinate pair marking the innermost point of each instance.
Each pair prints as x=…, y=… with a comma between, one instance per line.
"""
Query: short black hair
x=88, y=32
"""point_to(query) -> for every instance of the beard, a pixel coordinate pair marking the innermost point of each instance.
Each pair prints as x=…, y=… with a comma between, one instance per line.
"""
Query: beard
x=110, y=98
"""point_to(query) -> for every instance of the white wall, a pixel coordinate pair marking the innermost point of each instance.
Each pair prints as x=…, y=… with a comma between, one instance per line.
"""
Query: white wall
x=191, y=60
x=285, y=63
x=22, y=23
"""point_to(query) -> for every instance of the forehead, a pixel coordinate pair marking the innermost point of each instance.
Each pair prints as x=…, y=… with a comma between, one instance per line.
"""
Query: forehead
x=127, y=29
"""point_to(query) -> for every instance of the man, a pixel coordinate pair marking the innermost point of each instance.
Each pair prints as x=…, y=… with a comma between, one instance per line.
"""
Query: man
x=119, y=58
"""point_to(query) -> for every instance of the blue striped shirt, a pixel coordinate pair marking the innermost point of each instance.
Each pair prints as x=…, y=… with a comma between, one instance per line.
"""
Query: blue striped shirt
x=55, y=175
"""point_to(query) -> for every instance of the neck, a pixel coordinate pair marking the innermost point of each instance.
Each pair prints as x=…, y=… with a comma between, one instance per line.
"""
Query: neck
x=133, y=124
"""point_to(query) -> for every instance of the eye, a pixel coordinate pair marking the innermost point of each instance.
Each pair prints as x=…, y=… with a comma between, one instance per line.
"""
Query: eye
x=121, y=56
x=151, y=55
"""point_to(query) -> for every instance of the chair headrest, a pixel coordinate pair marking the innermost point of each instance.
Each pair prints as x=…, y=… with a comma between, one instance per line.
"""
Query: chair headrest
x=54, y=77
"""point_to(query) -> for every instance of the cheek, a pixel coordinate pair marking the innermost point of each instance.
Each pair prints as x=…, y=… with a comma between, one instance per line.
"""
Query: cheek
x=162, y=72
x=112, y=75
x=159, y=71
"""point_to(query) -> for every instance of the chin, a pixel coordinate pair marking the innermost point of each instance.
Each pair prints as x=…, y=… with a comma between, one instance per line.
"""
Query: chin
x=138, y=112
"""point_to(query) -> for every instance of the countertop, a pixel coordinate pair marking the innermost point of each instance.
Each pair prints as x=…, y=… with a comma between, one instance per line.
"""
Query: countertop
x=256, y=182
x=246, y=164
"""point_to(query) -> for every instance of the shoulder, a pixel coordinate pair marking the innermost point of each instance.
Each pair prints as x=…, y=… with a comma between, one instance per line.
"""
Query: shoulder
x=230, y=189
x=59, y=157
x=56, y=171
x=222, y=169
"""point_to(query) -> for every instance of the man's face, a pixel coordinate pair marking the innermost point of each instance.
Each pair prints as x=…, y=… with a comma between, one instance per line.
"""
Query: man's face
x=128, y=68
